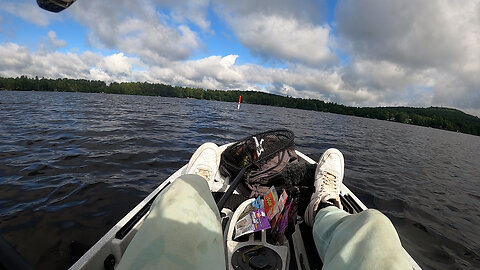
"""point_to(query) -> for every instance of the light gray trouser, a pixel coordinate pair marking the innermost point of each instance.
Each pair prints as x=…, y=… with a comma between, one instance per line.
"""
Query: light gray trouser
x=182, y=231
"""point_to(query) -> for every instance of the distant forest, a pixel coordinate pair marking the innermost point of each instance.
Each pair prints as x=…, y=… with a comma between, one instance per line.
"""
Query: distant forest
x=435, y=117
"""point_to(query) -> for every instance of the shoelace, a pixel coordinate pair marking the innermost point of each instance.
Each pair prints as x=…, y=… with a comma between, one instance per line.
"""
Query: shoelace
x=329, y=181
x=204, y=173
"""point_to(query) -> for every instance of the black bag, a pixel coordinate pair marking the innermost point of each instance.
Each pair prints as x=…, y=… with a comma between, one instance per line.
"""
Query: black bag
x=268, y=153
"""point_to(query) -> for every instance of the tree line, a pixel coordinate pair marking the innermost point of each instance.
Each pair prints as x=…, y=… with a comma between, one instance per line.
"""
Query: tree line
x=435, y=117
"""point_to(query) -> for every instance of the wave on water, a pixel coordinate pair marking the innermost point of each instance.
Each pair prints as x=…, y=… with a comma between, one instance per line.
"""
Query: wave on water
x=73, y=164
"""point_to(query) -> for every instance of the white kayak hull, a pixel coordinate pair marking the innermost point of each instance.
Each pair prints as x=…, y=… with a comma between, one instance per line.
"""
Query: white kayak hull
x=108, y=251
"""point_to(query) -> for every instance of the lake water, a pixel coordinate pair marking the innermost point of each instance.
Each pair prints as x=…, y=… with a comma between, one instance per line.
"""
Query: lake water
x=73, y=164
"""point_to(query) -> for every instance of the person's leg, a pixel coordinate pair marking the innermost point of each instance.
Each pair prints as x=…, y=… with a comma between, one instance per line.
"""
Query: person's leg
x=366, y=240
x=182, y=230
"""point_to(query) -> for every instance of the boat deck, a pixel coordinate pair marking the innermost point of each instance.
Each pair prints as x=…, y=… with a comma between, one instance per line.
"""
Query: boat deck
x=107, y=252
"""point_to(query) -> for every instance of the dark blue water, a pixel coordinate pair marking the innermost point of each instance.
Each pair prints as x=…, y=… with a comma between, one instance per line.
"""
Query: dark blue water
x=72, y=164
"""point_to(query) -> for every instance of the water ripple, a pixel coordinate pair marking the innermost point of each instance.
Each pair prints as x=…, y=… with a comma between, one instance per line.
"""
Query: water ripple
x=72, y=164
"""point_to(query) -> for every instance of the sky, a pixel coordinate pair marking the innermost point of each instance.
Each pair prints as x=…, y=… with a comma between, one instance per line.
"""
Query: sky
x=358, y=53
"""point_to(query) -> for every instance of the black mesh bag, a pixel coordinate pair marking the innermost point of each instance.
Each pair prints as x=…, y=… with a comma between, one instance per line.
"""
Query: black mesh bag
x=265, y=154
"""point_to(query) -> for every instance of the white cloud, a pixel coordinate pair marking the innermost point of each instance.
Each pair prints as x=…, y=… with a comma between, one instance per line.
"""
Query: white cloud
x=188, y=11
x=99, y=75
x=51, y=42
x=285, y=39
x=408, y=32
x=389, y=83
x=27, y=10
x=14, y=58
x=281, y=30
x=413, y=53
x=17, y=60
x=303, y=10
x=308, y=82
x=134, y=27
x=67, y=65
x=116, y=64
x=57, y=43
x=117, y=67
x=213, y=72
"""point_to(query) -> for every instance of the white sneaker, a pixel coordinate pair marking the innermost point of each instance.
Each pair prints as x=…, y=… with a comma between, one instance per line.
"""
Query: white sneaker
x=328, y=179
x=204, y=162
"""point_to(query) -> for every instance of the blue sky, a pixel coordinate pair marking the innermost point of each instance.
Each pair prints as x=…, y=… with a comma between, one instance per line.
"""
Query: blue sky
x=360, y=53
